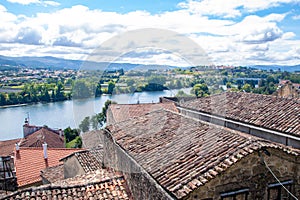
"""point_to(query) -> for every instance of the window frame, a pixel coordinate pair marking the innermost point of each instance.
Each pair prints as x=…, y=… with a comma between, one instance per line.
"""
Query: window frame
x=279, y=187
x=234, y=193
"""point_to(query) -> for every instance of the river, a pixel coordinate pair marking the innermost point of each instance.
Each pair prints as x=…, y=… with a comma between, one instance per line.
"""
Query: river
x=66, y=113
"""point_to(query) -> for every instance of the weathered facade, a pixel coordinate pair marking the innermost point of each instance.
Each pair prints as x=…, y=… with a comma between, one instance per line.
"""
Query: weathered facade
x=251, y=178
x=165, y=155
x=288, y=90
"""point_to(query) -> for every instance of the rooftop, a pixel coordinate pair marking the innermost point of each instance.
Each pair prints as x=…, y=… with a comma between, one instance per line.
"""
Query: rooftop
x=121, y=112
x=30, y=161
x=90, y=160
x=41, y=136
x=91, y=139
x=101, y=184
x=7, y=147
x=53, y=174
x=274, y=113
x=181, y=153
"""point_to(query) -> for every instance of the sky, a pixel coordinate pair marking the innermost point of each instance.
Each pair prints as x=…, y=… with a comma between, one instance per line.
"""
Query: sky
x=171, y=32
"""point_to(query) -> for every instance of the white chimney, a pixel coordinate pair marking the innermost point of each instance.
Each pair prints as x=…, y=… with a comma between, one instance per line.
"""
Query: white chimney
x=61, y=132
x=17, y=147
x=45, y=150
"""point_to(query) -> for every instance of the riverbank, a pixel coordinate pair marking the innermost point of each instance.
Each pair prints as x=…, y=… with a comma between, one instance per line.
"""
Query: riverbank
x=104, y=95
x=67, y=113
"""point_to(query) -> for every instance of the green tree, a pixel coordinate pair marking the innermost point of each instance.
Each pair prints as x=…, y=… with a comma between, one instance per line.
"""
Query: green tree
x=101, y=117
x=3, y=100
x=78, y=142
x=228, y=85
x=200, y=90
x=98, y=91
x=70, y=134
x=247, y=87
x=85, y=124
x=111, y=86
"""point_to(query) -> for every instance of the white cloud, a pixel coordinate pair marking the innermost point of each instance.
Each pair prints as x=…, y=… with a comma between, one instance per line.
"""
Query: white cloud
x=296, y=17
x=74, y=32
x=27, y=2
x=24, y=2
x=231, y=8
x=51, y=3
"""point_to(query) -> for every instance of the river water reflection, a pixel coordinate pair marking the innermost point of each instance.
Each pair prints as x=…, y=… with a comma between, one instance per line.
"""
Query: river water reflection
x=67, y=113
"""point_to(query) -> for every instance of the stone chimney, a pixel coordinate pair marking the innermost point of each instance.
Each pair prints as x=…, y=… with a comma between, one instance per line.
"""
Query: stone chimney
x=28, y=129
x=45, y=151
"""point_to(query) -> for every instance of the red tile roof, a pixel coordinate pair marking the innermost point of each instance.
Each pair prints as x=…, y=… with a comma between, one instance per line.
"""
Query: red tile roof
x=181, y=153
x=7, y=147
x=121, y=112
x=280, y=114
x=41, y=136
x=30, y=161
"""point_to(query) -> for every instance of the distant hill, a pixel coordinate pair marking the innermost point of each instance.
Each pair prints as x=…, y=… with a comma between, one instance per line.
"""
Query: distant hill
x=60, y=63
x=288, y=68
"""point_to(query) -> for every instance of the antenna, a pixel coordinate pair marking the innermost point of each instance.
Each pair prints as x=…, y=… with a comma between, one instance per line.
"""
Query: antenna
x=27, y=117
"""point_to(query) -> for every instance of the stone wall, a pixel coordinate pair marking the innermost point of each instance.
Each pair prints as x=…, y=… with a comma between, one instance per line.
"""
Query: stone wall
x=140, y=183
x=251, y=173
x=288, y=91
x=72, y=167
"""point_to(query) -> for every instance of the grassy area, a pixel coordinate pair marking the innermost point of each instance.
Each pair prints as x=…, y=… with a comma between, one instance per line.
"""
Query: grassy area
x=74, y=143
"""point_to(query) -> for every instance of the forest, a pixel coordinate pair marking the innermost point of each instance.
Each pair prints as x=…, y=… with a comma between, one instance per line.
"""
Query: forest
x=90, y=84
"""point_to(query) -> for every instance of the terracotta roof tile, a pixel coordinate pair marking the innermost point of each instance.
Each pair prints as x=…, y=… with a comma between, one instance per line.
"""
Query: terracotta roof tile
x=92, y=139
x=7, y=147
x=101, y=184
x=30, y=161
x=90, y=160
x=280, y=114
x=53, y=174
x=181, y=153
x=121, y=112
x=41, y=136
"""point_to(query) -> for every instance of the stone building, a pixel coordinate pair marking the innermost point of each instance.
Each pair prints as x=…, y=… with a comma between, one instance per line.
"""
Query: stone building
x=166, y=155
x=288, y=89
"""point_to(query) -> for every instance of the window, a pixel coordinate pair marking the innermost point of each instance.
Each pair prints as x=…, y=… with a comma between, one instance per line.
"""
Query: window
x=277, y=192
x=241, y=194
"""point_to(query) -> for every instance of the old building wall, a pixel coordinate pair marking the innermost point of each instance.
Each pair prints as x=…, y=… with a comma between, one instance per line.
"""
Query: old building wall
x=251, y=173
x=72, y=167
x=141, y=184
x=288, y=90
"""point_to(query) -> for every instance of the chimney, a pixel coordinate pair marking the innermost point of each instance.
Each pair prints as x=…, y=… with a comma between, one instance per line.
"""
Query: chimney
x=45, y=151
x=61, y=133
x=17, y=147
